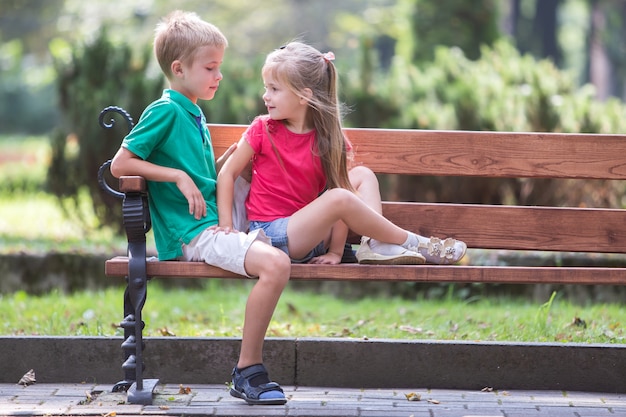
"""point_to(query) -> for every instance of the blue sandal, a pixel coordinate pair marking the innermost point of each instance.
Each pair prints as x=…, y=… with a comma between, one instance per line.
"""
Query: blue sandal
x=265, y=394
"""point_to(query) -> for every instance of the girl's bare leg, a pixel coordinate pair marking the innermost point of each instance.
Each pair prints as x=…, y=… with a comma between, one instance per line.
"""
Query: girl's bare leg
x=366, y=185
x=311, y=224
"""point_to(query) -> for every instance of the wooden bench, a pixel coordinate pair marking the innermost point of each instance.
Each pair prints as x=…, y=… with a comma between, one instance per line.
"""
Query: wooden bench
x=434, y=153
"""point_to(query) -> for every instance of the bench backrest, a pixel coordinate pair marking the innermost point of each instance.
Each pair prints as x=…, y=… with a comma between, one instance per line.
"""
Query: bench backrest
x=496, y=155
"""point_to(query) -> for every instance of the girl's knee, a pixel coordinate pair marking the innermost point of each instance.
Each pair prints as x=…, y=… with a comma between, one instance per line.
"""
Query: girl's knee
x=361, y=171
x=361, y=174
x=339, y=201
x=339, y=196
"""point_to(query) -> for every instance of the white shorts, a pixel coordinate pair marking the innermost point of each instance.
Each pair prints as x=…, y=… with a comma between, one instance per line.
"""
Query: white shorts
x=226, y=251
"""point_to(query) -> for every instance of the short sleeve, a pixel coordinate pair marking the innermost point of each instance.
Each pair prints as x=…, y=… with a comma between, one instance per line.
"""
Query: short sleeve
x=153, y=127
x=254, y=134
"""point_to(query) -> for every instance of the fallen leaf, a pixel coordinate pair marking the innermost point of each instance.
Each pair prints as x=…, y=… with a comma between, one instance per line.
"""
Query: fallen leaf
x=28, y=378
x=184, y=390
x=111, y=414
x=164, y=407
x=412, y=396
x=410, y=329
x=166, y=332
x=578, y=322
x=292, y=309
x=487, y=389
x=434, y=401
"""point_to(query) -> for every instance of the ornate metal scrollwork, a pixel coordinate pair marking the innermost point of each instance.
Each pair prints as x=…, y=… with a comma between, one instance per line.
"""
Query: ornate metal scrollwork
x=101, y=119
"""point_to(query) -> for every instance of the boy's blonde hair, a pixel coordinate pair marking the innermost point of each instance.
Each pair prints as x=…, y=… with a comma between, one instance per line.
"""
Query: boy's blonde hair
x=300, y=66
x=179, y=35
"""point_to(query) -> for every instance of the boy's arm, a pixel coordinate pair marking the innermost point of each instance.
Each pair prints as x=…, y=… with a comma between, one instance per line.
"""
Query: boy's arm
x=231, y=169
x=127, y=163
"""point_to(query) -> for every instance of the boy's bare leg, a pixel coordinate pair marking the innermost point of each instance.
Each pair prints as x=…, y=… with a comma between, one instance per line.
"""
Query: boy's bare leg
x=272, y=266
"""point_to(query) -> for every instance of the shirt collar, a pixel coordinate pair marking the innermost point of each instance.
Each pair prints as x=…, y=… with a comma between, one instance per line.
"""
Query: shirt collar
x=180, y=99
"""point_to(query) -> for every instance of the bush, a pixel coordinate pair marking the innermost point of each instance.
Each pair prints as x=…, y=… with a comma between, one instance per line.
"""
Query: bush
x=502, y=91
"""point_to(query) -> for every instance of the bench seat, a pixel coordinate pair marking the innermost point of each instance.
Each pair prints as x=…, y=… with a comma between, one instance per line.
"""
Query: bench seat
x=118, y=266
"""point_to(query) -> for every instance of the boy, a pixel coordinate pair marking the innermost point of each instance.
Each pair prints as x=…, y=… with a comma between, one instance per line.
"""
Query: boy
x=171, y=147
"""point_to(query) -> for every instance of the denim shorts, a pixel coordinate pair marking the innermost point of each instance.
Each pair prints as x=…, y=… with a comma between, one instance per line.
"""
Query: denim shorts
x=276, y=230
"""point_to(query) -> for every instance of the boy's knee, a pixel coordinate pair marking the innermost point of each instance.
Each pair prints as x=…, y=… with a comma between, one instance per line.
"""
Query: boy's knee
x=277, y=267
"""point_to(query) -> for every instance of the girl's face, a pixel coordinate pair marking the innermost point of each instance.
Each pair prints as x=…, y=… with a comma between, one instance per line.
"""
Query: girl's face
x=201, y=78
x=281, y=102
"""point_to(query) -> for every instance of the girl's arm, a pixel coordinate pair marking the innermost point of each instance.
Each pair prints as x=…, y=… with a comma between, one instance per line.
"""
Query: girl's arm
x=219, y=162
x=231, y=169
x=127, y=163
x=338, y=237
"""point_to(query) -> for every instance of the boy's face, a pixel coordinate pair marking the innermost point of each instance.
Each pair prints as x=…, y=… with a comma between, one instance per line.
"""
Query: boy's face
x=201, y=78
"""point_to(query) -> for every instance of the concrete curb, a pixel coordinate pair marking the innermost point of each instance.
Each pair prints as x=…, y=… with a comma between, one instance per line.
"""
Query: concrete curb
x=340, y=363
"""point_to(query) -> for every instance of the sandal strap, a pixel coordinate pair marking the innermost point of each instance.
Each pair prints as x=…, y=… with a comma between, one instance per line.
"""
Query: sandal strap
x=241, y=382
x=251, y=371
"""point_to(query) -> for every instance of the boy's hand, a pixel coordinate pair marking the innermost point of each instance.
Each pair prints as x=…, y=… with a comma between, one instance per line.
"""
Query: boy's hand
x=197, y=205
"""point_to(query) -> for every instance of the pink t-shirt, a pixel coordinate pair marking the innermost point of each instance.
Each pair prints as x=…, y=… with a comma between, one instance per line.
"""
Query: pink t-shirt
x=281, y=186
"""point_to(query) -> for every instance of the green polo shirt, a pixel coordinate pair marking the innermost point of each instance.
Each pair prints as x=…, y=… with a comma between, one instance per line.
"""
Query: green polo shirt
x=172, y=132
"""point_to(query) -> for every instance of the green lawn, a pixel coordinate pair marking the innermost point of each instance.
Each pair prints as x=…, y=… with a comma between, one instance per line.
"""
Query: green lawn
x=218, y=308
x=33, y=220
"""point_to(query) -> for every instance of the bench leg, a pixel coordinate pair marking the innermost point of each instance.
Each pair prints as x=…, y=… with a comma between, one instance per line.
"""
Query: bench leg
x=139, y=391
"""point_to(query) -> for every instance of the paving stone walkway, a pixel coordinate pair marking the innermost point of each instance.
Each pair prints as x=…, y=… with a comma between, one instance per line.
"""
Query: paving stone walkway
x=214, y=400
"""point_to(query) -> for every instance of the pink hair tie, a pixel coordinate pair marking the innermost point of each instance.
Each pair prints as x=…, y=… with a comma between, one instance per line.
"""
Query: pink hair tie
x=328, y=56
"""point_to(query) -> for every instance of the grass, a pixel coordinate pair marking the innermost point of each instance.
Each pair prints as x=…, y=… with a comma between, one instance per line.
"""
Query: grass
x=32, y=221
x=217, y=310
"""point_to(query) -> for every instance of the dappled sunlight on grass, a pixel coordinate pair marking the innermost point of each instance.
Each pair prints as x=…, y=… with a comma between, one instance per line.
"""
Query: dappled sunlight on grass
x=36, y=223
x=32, y=220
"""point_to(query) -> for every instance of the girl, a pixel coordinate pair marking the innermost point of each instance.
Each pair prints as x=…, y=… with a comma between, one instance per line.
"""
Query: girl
x=298, y=151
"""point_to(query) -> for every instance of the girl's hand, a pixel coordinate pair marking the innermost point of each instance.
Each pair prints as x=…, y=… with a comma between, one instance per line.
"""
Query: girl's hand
x=329, y=258
x=225, y=229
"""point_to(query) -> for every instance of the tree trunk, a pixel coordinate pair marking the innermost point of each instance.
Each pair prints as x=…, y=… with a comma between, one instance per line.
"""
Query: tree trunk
x=545, y=26
x=600, y=73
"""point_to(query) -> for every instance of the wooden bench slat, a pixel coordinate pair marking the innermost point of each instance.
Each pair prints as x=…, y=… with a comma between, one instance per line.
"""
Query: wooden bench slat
x=118, y=266
x=513, y=227
x=565, y=229
x=482, y=154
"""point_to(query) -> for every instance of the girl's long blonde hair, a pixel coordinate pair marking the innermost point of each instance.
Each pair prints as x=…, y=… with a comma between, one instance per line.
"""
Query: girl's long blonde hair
x=301, y=66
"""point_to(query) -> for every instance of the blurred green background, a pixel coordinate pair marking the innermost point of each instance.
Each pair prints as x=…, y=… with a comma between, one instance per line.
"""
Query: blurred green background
x=510, y=65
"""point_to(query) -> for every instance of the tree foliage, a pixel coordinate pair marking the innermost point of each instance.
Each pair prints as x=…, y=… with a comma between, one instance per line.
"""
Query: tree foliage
x=466, y=25
x=99, y=74
x=504, y=91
